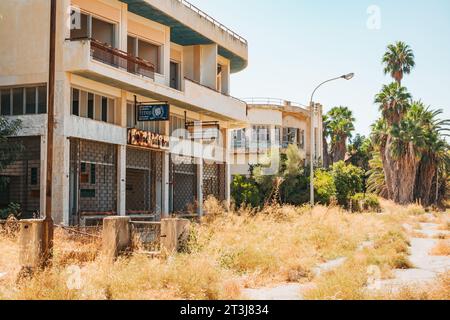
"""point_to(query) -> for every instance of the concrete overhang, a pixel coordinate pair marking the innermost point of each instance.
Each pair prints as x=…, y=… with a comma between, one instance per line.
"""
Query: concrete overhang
x=191, y=26
x=194, y=97
x=287, y=109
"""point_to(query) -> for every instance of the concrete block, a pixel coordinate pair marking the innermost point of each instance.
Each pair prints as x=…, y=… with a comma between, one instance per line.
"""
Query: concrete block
x=173, y=232
x=31, y=237
x=116, y=237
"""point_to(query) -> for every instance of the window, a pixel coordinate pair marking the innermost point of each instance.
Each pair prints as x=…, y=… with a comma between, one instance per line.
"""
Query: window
x=145, y=50
x=104, y=109
x=93, y=106
x=90, y=109
x=92, y=177
x=42, y=99
x=5, y=102
x=75, y=102
x=23, y=100
x=239, y=138
x=289, y=136
x=34, y=176
x=30, y=100
x=18, y=101
x=277, y=136
x=103, y=31
x=261, y=136
x=174, y=75
x=302, y=139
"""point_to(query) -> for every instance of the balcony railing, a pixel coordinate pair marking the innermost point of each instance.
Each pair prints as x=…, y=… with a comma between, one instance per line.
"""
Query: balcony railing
x=273, y=102
x=104, y=53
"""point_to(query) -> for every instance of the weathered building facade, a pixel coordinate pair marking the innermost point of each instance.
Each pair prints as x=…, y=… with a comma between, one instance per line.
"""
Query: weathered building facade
x=112, y=57
x=274, y=124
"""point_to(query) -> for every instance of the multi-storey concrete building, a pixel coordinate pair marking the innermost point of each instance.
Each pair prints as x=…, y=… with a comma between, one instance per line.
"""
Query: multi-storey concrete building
x=274, y=124
x=112, y=56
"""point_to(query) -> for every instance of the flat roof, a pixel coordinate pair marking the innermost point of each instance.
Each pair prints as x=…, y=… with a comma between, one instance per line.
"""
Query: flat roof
x=192, y=26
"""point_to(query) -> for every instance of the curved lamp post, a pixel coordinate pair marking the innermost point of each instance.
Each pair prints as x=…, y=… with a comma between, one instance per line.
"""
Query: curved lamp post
x=312, y=108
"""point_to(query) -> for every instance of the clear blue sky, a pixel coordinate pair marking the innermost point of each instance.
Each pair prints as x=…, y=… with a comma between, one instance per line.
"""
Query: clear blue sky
x=295, y=44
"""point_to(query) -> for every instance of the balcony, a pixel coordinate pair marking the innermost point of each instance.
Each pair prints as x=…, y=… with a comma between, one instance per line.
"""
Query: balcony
x=96, y=61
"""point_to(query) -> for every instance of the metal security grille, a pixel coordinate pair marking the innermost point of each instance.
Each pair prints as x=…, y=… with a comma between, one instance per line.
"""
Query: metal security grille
x=214, y=181
x=183, y=177
x=93, y=178
x=144, y=181
x=138, y=180
x=22, y=178
x=146, y=236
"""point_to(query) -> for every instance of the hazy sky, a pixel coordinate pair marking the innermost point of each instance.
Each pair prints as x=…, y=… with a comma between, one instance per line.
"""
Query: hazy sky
x=296, y=44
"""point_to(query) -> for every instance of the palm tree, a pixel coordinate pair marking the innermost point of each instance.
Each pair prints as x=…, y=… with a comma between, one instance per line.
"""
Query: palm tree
x=398, y=60
x=434, y=150
x=376, y=182
x=393, y=101
x=404, y=153
x=341, y=126
x=327, y=161
x=379, y=137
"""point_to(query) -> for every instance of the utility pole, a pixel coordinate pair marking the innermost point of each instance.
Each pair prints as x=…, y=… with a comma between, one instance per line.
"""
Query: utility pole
x=312, y=150
x=48, y=221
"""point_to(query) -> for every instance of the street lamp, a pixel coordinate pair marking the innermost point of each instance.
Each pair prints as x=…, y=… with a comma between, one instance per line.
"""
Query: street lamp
x=348, y=76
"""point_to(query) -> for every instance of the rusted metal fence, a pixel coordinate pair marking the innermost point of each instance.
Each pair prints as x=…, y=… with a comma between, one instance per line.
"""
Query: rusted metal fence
x=146, y=236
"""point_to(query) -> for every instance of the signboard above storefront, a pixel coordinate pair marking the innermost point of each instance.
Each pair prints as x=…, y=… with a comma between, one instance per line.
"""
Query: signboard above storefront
x=204, y=130
x=153, y=112
x=147, y=139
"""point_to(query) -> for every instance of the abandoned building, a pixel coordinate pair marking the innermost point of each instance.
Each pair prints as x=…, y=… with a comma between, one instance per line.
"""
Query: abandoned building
x=273, y=125
x=142, y=107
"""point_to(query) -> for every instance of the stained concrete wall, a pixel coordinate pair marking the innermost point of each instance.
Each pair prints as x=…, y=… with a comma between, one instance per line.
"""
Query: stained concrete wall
x=24, y=50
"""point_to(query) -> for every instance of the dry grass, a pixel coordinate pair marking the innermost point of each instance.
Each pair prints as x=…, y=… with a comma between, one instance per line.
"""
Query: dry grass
x=442, y=248
x=438, y=290
x=348, y=282
x=226, y=251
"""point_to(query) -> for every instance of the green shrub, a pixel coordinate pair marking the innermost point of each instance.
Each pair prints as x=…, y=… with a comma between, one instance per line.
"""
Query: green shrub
x=361, y=202
x=13, y=209
x=348, y=181
x=245, y=191
x=324, y=186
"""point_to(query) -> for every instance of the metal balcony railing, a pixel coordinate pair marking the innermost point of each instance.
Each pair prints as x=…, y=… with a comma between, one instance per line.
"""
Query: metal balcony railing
x=273, y=102
x=104, y=53
x=213, y=21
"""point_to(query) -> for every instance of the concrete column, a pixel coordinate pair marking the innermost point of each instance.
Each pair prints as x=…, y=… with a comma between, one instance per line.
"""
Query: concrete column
x=208, y=65
x=121, y=179
x=122, y=157
x=173, y=233
x=165, y=208
x=165, y=192
x=116, y=236
x=43, y=174
x=199, y=186
x=123, y=28
x=165, y=70
x=228, y=178
x=31, y=236
x=61, y=152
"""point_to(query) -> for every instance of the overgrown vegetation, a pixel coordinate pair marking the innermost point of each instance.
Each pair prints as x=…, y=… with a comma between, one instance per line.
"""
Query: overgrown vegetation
x=8, y=154
x=232, y=249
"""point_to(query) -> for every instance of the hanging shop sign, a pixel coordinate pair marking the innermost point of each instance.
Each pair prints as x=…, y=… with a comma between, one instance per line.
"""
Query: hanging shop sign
x=147, y=139
x=204, y=130
x=153, y=112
